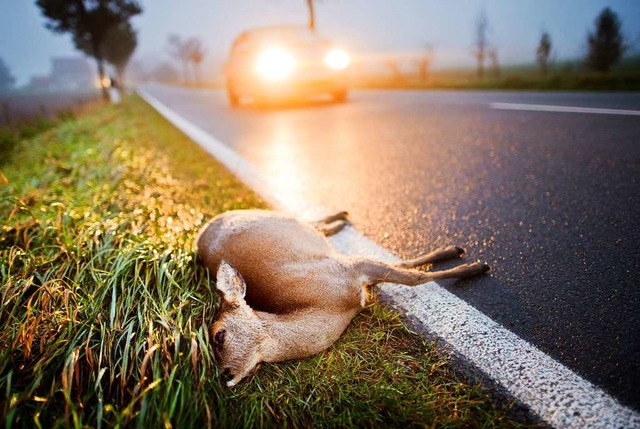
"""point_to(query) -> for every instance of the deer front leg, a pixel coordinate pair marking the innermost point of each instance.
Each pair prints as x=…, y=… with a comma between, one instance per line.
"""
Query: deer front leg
x=380, y=272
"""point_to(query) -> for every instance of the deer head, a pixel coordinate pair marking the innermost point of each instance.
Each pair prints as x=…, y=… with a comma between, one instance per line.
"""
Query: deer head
x=238, y=334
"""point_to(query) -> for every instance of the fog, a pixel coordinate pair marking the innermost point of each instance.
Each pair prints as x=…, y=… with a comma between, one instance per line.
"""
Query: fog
x=367, y=28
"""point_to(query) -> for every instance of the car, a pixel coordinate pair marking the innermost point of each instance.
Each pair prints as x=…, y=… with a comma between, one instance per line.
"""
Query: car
x=285, y=62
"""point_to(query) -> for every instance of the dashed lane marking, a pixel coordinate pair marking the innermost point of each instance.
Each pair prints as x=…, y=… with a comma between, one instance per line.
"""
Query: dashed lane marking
x=563, y=109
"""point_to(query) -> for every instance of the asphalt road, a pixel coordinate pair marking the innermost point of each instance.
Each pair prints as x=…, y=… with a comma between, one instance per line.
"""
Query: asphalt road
x=550, y=200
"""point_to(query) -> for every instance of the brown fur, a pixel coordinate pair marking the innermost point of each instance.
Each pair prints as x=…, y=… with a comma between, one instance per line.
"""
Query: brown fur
x=295, y=295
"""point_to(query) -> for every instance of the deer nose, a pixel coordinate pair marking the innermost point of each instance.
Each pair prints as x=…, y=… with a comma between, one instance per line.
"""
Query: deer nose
x=226, y=375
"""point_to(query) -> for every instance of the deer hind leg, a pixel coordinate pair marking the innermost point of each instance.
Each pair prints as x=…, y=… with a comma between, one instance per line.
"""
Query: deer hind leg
x=380, y=272
x=331, y=229
x=438, y=255
x=333, y=224
x=334, y=217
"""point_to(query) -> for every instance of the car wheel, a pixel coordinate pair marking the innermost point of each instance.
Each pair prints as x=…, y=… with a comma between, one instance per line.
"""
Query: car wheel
x=234, y=98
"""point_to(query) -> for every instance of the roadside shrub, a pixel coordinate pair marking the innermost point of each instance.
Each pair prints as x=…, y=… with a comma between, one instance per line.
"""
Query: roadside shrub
x=10, y=136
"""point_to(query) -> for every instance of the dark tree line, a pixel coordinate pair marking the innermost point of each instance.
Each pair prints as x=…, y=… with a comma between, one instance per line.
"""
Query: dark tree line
x=7, y=80
x=117, y=48
x=543, y=53
x=99, y=28
x=481, y=42
x=102, y=29
x=606, y=45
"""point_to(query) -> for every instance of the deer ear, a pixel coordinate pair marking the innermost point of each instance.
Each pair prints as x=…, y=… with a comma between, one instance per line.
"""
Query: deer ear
x=230, y=283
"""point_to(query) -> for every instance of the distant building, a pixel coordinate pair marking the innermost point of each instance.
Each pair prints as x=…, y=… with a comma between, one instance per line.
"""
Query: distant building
x=41, y=83
x=67, y=74
x=72, y=73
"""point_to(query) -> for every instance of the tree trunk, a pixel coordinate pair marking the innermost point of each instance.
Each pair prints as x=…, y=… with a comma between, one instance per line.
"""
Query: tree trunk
x=120, y=77
x=423, y=69
x=101, y=76
x=495, y=64
x=480, y=69
x=185, y=73
x=194, y=66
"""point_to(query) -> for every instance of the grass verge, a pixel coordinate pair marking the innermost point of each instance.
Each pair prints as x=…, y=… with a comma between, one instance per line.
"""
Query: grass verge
x=104, y=312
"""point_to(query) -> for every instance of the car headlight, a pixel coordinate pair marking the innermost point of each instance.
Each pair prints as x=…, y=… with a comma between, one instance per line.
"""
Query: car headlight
x=275, y=64
x=337, y=59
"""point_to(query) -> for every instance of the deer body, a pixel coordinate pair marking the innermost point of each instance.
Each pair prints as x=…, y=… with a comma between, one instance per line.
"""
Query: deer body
x=287, y=294
x=308, y=269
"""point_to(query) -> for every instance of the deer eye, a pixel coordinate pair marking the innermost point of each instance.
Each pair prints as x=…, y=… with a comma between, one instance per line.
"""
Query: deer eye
x=218, y=339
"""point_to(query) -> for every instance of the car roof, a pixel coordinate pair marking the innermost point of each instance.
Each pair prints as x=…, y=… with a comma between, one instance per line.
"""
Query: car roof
x=278, y=32
x=275, y=30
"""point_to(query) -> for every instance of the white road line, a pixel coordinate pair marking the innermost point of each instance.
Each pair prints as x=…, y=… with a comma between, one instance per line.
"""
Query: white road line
x=563, y=109
x=552, y=391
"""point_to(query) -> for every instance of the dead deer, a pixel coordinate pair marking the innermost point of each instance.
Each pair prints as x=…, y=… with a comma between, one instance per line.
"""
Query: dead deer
x=296, y=294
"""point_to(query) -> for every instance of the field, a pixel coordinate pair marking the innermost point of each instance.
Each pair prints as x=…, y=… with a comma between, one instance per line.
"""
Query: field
x=104, y=312
x=563, y=76
x=24, y=106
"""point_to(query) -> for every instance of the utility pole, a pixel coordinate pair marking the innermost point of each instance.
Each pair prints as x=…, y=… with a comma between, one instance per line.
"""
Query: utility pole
x=312, y=16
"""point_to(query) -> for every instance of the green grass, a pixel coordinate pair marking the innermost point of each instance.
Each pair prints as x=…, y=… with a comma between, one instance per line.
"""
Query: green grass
x=525, y=82
x=10, y=136
x=563, y=76
x=104, y=313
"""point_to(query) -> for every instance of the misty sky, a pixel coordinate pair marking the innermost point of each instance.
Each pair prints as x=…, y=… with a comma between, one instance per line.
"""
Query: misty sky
x=362, y=26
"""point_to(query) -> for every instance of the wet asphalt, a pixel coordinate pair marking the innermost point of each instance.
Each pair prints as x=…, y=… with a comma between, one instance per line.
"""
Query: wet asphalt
x=550, y=200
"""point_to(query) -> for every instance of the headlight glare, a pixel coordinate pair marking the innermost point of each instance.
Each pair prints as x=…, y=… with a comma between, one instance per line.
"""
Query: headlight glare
x=275, y=64
x=337, y=59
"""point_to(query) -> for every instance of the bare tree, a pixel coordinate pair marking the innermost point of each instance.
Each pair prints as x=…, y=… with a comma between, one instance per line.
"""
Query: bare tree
x=543, y=53
x=495, y=64
x=190, y=53
x=164, y=72
x=396, y=73
x=195, y=53
x=481, y=42
x=424, y=62
x=177, y=49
